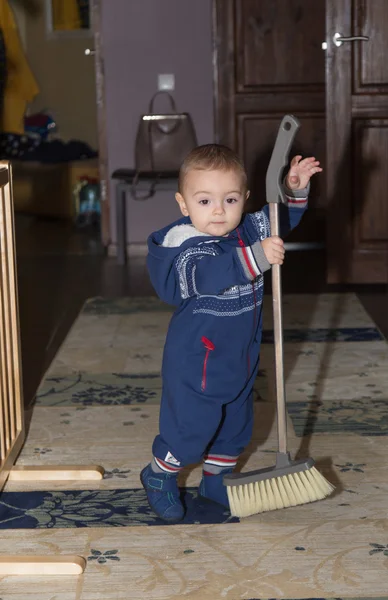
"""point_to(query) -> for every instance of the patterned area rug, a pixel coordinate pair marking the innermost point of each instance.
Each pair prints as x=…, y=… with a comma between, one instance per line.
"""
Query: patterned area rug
x=98, y=404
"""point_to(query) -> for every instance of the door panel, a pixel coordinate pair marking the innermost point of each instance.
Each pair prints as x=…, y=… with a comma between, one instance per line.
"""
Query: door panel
x=357, y=142
x=371, y=141
x=270, y=40
x=369, y=70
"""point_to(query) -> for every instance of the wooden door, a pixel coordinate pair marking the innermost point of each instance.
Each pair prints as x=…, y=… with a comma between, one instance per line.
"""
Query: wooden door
x=357, y=142
x=268, y=62
x=96, y=12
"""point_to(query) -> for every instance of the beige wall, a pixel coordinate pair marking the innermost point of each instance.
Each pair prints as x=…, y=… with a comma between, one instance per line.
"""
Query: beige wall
x=65, y=77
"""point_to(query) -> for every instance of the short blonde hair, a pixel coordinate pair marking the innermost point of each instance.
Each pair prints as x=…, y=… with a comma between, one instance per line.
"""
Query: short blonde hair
x=211, y=157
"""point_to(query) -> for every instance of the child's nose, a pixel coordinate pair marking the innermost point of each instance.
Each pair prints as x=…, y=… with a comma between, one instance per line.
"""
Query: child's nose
x=218, y=209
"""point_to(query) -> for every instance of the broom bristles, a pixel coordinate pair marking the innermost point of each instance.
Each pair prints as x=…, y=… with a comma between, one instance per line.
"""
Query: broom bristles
x=278, y=492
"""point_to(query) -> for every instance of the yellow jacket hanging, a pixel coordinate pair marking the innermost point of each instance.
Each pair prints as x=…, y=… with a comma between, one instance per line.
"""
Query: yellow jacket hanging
x=21, y=86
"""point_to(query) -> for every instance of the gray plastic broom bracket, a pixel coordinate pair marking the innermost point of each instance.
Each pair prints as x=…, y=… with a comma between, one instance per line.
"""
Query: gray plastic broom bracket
x=279, y=159
x=286, y=467
x=283, y=459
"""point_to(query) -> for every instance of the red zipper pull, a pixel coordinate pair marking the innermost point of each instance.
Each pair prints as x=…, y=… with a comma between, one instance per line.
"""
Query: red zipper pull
x=207, y=343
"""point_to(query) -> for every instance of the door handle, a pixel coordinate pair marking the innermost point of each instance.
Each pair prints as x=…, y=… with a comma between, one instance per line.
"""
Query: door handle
x=89, y=52
x=339, y=39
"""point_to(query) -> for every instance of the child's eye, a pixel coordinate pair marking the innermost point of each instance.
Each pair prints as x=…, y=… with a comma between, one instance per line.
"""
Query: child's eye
x=231, y=200
x=204, y=201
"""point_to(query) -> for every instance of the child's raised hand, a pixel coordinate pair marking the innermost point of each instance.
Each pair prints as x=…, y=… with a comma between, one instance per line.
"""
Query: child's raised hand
x=274, y=250
x=301, y=171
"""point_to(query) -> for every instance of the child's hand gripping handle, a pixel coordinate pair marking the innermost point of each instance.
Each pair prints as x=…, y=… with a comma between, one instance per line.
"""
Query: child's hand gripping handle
x=275, y=196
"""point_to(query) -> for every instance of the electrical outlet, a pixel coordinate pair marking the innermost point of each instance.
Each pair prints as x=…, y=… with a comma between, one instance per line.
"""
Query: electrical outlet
x=166, y=81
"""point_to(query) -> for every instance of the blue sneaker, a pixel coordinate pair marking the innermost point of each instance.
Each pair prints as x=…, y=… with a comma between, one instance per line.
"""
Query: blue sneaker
x=163, y=494
x=212, y=488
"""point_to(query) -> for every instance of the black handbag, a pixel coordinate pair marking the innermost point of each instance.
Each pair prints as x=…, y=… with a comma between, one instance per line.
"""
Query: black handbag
x=163, y=141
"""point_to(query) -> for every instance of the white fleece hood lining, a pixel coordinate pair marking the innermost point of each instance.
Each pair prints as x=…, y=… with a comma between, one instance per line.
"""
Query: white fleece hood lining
x=180, y=233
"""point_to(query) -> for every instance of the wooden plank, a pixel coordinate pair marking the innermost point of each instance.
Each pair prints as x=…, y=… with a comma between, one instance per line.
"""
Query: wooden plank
x=7, y=464
x=101, y=122
x=224, y=72
x=4, y=173
x=42, y=565
x=12, y=429
x=17, y=405
x=4, y=328
x=338, y=137
x=56, y=473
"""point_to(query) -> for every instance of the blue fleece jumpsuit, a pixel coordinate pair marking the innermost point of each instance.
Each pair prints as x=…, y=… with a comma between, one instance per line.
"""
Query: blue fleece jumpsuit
x=211, y=354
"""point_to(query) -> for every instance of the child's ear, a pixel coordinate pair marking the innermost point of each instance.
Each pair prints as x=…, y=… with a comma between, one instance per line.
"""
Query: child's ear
x=182, y=204
x=247, y=195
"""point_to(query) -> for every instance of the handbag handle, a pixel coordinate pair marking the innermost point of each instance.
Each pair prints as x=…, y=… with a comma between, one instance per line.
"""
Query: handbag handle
x=142, y=195
x=152, y=101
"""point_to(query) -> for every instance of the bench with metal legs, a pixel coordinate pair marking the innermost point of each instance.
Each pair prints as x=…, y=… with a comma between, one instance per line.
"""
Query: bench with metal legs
x=138, y=187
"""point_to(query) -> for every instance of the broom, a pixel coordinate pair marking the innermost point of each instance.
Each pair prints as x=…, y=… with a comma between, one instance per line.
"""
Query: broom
x=289, y=482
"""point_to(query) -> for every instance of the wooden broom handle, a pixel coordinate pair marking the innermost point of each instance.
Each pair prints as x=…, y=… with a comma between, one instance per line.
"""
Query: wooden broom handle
x=275, y=196
x=278, y=336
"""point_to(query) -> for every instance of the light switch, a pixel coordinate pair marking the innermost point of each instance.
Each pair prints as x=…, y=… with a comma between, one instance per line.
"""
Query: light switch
x=166, y=81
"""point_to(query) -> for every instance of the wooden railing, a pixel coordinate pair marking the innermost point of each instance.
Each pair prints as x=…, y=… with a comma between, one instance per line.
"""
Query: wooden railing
x=12, y=430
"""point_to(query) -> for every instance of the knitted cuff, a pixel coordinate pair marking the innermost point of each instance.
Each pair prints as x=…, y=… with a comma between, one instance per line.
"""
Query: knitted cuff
x=297, y=198
x=260, y=257
x=253, y=260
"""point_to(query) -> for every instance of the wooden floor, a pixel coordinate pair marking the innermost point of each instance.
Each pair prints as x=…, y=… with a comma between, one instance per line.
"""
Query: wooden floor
x=59, y=268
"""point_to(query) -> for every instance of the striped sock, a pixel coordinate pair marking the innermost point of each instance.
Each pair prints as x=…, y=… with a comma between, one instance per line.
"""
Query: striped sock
x=214, y=464
x=161, y=466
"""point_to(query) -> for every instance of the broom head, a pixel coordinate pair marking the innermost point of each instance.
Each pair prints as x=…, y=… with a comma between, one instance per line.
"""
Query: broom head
x=289, y=483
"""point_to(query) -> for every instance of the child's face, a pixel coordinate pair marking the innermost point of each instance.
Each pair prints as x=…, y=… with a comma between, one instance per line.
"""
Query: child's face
x=214, y=200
